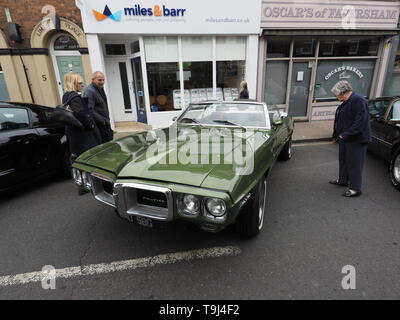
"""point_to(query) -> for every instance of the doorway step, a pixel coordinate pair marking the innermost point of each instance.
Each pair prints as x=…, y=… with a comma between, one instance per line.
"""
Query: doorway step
x=313, y=131
x=129, y=127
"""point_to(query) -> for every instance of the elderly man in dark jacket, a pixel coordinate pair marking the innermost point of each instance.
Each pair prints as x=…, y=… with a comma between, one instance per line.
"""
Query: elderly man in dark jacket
x=352, y=129
x=98, y=106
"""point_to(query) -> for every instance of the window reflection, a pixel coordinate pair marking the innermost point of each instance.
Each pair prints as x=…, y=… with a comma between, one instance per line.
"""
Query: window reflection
x=278, y=47
x=198, y=82
x=304, y=47
x=276, y=82
x=349, y=46
x=229, y=76
x=358, y=72
x=163, y=80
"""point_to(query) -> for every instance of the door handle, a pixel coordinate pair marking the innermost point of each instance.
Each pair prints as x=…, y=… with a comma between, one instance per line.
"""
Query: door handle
x=25, y=140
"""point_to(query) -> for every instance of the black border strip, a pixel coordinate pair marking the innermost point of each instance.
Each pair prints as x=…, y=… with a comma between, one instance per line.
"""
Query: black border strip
x=32, y=51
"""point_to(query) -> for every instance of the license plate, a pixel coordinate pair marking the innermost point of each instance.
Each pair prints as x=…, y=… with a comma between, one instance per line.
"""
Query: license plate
x=145, y=222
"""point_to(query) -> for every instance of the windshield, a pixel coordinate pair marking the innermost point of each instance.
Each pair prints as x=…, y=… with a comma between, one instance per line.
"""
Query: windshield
x=231, y=114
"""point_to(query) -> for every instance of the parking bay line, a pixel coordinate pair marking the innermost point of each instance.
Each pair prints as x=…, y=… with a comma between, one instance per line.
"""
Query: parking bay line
x=103, y=268
x=311, y=144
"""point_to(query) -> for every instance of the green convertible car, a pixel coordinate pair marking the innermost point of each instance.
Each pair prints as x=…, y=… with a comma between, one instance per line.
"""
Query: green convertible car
x=210, y=167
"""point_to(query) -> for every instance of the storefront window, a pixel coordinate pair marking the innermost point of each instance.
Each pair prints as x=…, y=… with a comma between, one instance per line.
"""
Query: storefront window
x=4, y=96
x=231, y=48
x=304, y=47
x=161, y=49
x=163, y=80
x=197, y=82
x=278, y=47
x=349, y=46
x=197, y=48
x=276, y=82
x=231, y=56
x=229, y=76
x=358, y=72
x=197, y=54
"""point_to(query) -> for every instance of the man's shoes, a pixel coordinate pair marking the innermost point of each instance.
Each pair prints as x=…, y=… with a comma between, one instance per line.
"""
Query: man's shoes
x=352, y=193
x=336, y=182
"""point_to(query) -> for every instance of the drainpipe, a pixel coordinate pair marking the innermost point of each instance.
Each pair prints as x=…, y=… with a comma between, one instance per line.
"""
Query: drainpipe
x=27, y=79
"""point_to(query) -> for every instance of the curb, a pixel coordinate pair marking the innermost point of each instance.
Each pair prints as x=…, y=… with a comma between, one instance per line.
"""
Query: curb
x=312, y=140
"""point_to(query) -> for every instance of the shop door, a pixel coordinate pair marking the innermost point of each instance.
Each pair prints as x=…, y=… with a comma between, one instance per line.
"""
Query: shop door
x=300, y=92
x=138, y=89
x=67, y=64
x=122, y=99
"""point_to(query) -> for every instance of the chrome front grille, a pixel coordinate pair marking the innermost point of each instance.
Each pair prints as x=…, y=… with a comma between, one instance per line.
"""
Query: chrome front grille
x=103, y=189
x=134, y=199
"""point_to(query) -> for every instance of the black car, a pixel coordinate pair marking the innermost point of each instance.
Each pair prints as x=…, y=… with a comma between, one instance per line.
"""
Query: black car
x=385, y=125
x=31, y=144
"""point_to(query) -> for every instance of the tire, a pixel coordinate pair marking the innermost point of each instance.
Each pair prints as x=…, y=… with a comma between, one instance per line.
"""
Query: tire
x=286, y=152
x=394, y=169
x=65, y=166
x=251, y=217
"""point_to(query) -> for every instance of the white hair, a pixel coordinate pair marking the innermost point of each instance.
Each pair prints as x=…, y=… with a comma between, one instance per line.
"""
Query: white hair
x=340, y=87
x=96, y=73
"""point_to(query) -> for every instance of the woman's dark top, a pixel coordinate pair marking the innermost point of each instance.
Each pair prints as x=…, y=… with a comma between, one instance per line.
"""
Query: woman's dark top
x=81, y=140
x=352, y=120
x=244, y=94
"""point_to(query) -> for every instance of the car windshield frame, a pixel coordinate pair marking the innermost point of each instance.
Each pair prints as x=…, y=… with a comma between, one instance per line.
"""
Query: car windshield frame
x=195, y=123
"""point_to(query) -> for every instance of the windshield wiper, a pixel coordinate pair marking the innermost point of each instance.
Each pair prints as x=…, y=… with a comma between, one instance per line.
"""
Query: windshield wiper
x=230, y=123
x=190, y=119
x=193, y=120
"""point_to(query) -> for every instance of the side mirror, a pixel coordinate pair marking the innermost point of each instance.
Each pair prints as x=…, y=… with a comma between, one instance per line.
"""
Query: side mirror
x=277, y=122
x=9, y=126
x=377, y=117
x=174, y=119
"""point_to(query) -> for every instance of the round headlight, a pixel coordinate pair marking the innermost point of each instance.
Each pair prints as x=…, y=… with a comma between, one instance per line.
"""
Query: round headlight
x=216, y=207
x=190, y=205
x=76, y=174
x=87, y=182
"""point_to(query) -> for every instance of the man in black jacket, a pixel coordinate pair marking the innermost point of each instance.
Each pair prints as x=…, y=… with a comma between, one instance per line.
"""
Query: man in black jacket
x=352, y=129
x=98, y=106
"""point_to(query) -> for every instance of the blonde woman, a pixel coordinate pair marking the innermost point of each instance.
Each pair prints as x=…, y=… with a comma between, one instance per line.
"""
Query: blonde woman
x=244, y=92
x=79, y=140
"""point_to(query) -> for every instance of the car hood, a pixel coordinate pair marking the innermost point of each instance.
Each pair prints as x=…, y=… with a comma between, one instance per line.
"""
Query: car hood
x=160, y=154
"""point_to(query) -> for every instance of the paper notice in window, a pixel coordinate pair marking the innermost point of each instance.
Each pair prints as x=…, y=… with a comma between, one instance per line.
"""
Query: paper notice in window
x=300, y=76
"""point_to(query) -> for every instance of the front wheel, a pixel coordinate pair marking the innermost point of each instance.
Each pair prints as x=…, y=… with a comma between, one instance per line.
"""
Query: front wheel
x=251, y=217
x=395, y=169
x=65, y=167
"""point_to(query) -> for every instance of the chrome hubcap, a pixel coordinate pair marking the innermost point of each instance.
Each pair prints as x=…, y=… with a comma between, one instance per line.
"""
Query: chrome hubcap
x=290, y=149
x=263, y=197
x=396, y=168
